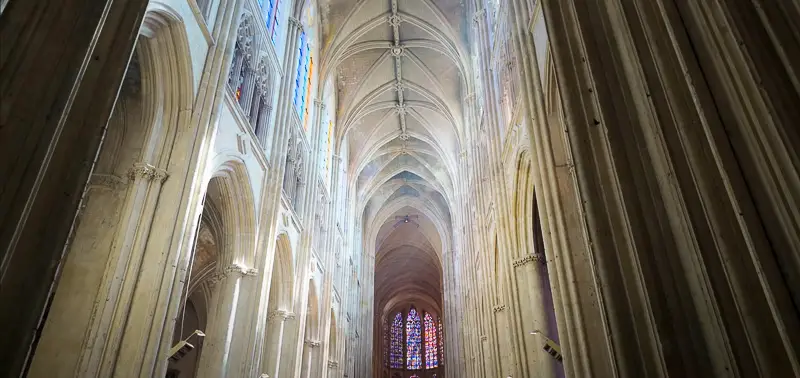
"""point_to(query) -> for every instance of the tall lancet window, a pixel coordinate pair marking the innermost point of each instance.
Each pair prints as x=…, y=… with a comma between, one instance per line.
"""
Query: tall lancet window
x=413, y=340
x=431, y=343
x=396, y=347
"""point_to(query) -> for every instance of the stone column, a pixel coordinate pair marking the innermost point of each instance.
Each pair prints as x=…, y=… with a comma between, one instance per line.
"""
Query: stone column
x=676, y=111
x=50, y=136
x=535, y=318
x=308, y=357
x=277, y=320
x=222, y=322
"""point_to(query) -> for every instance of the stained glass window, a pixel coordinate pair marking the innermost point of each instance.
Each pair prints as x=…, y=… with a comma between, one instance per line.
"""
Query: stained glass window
x=396, y=346
x=413, y=340
x=272, y=14
x=431, y=343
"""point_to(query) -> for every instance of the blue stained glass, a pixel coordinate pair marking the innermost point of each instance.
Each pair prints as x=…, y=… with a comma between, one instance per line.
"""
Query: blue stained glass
x=396, y=346
x=413, y=340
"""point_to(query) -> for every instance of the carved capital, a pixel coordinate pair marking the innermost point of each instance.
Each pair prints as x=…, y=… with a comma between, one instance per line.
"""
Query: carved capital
x=534, y=257
x=240, y=270
x=147, y=172
x=478, y=16
x=296, y=23
x=276, y=314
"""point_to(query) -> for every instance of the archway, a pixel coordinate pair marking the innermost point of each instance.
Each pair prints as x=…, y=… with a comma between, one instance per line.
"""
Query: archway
x=121, y=203
x=280, y=307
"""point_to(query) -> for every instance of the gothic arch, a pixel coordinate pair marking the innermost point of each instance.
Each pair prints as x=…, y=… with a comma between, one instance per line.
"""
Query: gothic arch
x=132, y=172
x=231, y=192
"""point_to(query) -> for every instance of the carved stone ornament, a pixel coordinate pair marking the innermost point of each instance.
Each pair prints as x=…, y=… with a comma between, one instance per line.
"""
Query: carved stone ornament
x=296, y=23
x=147, y=172
x=399, y=86
x=312, y=343
x=401, y=108
x=394, y=20
x=499, y=308
x=478, y=16
x=535, y=257
x=333, y=364
x=484, y=338
x=279, y=314
x=398, y=50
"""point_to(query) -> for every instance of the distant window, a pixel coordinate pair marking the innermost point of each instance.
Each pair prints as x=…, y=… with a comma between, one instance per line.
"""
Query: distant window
x=413, y=341
x=431, y=344
x=396, y=347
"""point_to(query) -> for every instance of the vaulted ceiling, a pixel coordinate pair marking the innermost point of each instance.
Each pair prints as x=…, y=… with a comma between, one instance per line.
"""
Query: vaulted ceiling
x=399, y=69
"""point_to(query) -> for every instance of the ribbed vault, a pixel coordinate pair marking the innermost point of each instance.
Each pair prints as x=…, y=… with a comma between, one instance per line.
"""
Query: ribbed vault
x=399, y=70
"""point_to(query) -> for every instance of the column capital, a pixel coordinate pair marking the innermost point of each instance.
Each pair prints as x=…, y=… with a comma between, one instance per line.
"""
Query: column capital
x=478, y=15
x=530, y=258
x=232, y=270
x=296, y=23
x=147, y=172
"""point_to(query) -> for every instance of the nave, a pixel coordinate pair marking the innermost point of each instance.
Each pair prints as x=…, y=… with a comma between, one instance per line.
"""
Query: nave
x=399, y=188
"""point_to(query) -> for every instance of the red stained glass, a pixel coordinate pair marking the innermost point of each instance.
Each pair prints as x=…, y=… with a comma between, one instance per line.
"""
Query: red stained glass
x=431, y=343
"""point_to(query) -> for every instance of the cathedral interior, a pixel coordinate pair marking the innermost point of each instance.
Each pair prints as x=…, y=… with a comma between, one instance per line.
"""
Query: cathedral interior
x=400, y=188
